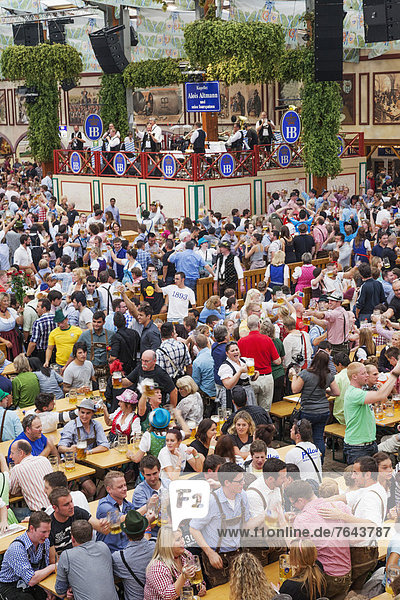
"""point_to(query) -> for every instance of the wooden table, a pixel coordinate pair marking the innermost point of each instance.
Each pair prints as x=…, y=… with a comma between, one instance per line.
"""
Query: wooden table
x=53, y=435
x=108, y=460
x=9, y=370
x=77, y=473
x=6, y=540
x=281, y=411
x=284, y=450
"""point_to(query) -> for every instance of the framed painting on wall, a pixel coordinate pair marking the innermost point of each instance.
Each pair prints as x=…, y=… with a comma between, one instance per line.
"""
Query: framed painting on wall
x=82, y=102
x=386, y=98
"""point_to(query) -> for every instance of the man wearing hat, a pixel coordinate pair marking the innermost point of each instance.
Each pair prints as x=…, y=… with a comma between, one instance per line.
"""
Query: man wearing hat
x=84, y=428
x=130, y=564
x=62, y=338
x=336, y=322
x=228, y=270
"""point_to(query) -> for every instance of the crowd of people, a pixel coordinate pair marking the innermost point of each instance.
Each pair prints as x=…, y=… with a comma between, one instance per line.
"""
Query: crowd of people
x=117, y=327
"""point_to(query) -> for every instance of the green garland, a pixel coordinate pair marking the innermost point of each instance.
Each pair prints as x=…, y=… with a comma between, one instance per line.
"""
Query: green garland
x=153, y=73
x=235, y=52
x=320, y=113
x=44, y=67
x=113, y=102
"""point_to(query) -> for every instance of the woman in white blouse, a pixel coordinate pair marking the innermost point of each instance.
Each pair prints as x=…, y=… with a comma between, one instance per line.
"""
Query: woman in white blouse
x=174, y=455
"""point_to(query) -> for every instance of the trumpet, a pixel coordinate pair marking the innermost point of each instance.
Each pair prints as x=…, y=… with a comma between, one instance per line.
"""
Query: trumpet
x=189, y=134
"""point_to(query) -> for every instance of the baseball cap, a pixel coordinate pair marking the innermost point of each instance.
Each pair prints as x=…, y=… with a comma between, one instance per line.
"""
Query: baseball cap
x=336, y=296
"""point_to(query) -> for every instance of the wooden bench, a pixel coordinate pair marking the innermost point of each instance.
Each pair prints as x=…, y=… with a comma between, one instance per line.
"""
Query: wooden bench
x=335, y=431
x=281, y=411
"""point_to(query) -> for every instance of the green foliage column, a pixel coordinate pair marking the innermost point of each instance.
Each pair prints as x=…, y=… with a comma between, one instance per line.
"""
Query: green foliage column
x=113, y=102
x=321, y=122
x=43, y=67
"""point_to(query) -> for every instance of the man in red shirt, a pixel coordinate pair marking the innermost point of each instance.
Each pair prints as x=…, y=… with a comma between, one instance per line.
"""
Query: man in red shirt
x=262, y=349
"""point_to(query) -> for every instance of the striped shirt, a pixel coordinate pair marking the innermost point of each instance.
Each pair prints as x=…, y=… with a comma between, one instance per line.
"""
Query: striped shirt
x=41, y=330
x=27, y=478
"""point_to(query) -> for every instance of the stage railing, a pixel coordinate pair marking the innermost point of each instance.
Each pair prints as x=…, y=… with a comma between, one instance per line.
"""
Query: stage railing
x=188, y=166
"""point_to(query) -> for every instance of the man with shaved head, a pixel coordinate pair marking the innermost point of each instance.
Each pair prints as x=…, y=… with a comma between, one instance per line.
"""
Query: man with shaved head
x=148, y=369
x=360, y=434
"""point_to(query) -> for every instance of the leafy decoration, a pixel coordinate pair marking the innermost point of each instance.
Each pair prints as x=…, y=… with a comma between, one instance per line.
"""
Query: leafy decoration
x=153, y=73
x=43, y=67
x=113, y=102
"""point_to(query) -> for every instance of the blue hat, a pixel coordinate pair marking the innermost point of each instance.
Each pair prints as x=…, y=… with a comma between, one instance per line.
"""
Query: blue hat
x=44, y=287
x=202, y=241
x=159, y=418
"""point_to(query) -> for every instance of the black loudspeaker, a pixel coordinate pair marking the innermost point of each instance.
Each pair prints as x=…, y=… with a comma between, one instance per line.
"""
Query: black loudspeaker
x=381, y=20
x=328, y=40
x=28, y=34
x=57, y=30
x=108, y=50
x=134, y=37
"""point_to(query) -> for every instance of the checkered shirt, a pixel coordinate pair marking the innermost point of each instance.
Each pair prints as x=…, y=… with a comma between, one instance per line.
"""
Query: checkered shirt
x=41, y=330
x=177, y=352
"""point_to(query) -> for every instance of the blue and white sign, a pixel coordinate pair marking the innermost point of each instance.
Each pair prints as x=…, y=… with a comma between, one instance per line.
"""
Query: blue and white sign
x=284, y=156
x=342, y=145
x=203, y=97
x=291, y=127
x=93, y=127
x=226, y=165
x=168, y=166
x=119, y=163
x=75, y=162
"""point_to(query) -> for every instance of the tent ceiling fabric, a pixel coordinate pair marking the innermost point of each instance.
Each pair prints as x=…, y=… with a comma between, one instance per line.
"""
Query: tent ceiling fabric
x=161, y=33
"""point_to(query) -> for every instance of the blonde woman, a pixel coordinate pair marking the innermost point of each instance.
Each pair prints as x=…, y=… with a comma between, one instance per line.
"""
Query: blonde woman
x=212, y=307
x=97, y=263
x=277, y=273
x=366, y=345
x=25, y=386
x=248, y=580
x=168, y=571
x=78, y=281
x=242, y=433
x=191, y=405
x=308, y=582
x=252, y=296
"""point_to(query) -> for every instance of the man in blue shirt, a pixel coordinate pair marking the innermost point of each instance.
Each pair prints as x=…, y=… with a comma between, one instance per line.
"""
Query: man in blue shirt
x=189, y=262
x=32, y=433
x=203, y=368
x=115, y=501
x=151, y=488
x=113, y=210
x=27, y=560
x=218, y=354
x=120, y=252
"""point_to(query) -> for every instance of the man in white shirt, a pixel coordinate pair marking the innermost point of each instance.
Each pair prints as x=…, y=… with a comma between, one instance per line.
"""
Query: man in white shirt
x=59, y=479
x=368, y=506
x=305, y=454
x=235, y=141
x=23, y=255
x=179, y=297
x=79, y=372
x=85, y=314
x=265, y=492
x=47, y=181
